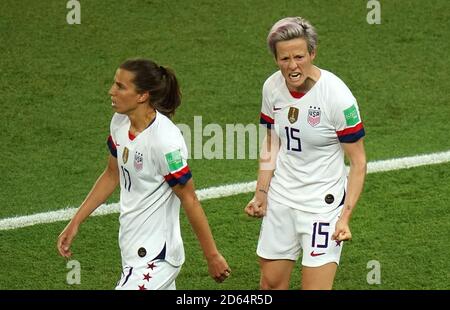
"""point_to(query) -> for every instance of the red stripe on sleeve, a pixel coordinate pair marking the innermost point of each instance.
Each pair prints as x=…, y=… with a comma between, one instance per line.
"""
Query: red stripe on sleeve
x=181, y=173
x=111, y=142
x=349, y=131
x=267, y=118
x=169, y=177
x=178, y=174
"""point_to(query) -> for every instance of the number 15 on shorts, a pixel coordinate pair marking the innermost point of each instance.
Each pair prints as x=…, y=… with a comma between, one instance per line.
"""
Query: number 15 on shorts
x=320, y=235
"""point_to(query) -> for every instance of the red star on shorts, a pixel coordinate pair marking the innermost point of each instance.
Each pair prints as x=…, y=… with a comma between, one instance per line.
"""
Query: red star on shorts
x=142, y=287
x=151, y=265
x=338, y=242
x=147, y=277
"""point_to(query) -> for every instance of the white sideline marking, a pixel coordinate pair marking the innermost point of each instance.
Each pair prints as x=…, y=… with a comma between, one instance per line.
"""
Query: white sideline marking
x=219, y=191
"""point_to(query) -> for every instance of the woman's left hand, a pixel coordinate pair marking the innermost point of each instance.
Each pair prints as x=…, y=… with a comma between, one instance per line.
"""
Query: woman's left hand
x=342, y=231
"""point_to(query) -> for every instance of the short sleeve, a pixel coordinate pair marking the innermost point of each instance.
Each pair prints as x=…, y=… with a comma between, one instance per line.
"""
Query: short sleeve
x=171, y=156
x=347, y=120
x=266, y=115
x=116, y=122
x=112, y=146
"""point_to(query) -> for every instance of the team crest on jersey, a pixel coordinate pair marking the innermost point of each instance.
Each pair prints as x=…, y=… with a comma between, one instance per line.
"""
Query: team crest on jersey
x=313, y=116
x=293, y=115
x=138, y=161
x=125, y=155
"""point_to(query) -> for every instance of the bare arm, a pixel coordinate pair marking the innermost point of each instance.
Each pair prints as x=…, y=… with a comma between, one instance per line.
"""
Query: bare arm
x=269, y=152
x=102, y=189
x=358, y=167
x=217, y=265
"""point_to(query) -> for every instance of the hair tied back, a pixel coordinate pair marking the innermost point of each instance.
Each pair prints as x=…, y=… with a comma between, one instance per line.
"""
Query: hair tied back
x=162, y=70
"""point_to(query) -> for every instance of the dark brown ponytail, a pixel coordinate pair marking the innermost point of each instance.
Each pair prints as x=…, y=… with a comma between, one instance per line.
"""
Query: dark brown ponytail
x=159, y=81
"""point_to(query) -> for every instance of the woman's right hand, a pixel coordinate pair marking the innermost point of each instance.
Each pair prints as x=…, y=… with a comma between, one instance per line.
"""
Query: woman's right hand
x=65, y=239
x=256, y=207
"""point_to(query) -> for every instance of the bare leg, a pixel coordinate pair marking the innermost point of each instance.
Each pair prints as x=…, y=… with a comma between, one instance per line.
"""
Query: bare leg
x=318, y=278
x=275, y=274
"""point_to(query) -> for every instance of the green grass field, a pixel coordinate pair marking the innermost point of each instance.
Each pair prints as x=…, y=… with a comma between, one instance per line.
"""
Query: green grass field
x=54, y=79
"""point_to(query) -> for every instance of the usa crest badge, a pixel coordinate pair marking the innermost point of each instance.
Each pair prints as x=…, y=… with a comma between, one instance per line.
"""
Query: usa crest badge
x=292, y=115
x=138, y=161
x=125, y=155
x=313, y=116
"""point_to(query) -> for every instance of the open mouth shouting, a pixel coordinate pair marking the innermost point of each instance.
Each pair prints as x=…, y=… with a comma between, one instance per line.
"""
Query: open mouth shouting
x=295, y=76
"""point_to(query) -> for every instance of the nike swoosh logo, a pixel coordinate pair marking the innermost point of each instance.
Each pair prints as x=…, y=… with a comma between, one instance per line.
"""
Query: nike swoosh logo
x=276, y=109
x=315, y=254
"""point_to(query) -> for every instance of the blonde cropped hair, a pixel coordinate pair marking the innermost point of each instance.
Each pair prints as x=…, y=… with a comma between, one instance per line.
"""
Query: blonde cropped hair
x=291, y=28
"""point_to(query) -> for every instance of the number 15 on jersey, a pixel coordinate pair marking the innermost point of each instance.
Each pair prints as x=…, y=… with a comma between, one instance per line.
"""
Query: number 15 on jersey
x=293, y=142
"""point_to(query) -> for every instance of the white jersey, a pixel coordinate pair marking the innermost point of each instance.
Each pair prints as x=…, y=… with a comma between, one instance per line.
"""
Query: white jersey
x=310, y=173
x=149, y=165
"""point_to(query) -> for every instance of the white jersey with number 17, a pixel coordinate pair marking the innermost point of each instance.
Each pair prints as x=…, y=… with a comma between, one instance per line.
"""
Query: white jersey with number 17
x=149, y=164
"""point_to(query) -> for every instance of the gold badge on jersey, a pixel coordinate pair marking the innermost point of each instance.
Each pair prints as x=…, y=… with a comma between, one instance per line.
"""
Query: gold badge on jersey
x=125, y=155
x=293, y=115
